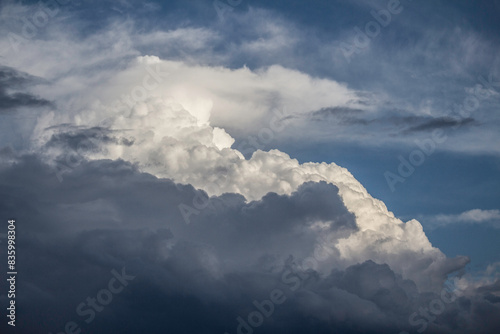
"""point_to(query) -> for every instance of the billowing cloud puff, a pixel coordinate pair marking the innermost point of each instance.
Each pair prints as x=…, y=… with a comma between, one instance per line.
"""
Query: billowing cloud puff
x=128, y=185
x=171, y=137
x=250, y=44
x=108, y=250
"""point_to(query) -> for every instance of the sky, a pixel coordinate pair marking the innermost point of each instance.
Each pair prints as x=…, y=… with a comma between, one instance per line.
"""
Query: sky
x=247, y=166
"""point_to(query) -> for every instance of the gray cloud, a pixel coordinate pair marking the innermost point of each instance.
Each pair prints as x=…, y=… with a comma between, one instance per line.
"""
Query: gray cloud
x=198, y=278
x=440, y=123
x=202, y=276
x=86, y=139
x=407, y=124
x=11, y=79
x=335, y=111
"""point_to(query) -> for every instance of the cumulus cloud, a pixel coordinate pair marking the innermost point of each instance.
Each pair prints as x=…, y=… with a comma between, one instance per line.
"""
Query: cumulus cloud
x=172, y=138
x=107, y=218
x=259, y=38
x=133, y=168
x=158, y=113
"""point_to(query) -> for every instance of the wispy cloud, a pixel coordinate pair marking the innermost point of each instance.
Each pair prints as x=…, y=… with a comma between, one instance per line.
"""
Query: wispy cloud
x=441, y=123
x=474, y=216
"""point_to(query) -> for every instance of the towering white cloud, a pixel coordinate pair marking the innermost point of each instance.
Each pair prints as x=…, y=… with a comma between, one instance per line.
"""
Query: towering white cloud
x=133, y=138
x=156, y=115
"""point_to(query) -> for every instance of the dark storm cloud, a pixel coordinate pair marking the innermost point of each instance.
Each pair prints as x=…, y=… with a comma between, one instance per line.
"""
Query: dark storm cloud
x=411, y=124
x=108, y=220
x=440, y=123
x=86, y=139
x=11, y=79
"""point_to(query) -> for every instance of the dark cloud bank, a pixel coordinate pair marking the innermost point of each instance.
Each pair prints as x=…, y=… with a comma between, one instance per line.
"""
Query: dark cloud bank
x=115, y=237
x=407, y=124
x=11, y=82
